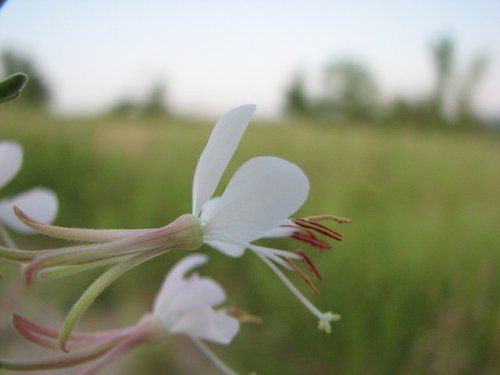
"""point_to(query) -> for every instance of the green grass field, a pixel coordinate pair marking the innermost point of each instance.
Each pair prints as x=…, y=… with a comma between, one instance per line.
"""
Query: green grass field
x=416, y=279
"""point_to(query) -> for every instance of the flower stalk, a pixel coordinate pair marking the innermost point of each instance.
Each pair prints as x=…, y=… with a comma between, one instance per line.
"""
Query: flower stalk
x=184, y=305
x=257, y=203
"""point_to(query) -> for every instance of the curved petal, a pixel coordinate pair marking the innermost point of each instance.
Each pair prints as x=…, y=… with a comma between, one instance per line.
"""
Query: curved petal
x=227, y=248
x=262, y=194
x=39, y=203
x=286, y=229
x=175, y=281
x=218, y=152
x=197, y=291
x=11, y=158
x=207, y=324
x=208, y=208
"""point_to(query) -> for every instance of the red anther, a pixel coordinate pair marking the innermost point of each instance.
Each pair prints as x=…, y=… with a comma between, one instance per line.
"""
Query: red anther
x=309, y=264
x=304, y=277
x=312, y=240
x=318, y=228
x=338, y=219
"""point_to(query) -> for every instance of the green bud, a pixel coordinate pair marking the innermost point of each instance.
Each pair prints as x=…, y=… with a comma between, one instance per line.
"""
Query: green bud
x=11, y=87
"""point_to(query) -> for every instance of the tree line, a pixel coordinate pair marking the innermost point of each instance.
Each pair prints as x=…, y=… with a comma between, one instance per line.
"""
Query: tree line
x=349, y=93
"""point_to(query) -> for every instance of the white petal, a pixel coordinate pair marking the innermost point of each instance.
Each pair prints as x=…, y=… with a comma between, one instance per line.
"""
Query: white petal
x=174, y=281
x=11, y=158
x=230, y=249
x=286, y=229
x=262, y=194
x=39, y=203
x=208, y=208
x=218, y=152
x=185, y=305
x=207, y=324
x=196, y=291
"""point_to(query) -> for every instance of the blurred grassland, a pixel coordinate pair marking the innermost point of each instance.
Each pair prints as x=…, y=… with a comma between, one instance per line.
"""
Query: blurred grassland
x=416, y=279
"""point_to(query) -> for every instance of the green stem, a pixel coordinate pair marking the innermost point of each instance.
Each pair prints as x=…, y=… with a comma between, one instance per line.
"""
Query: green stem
x=18, y=255
x=6, y=237
x=59, y=361
x=77, y=234
x=96, y=288
x=64, y=271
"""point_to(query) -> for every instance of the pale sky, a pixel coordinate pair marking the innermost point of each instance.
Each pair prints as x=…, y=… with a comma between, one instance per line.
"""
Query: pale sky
x=216, y=54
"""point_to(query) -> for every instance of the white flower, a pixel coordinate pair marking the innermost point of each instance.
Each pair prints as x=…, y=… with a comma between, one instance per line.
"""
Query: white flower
x=38, y=202
x=186, y=305
x=256, y=203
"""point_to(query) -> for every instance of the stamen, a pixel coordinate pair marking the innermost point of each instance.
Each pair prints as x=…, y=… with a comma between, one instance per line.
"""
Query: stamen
x=324, y=317
x=304, y=277
x=338, y=219
x=318, y=228
x=312, y=240
x=275, y=255
x=242, y=315
x=309, y=264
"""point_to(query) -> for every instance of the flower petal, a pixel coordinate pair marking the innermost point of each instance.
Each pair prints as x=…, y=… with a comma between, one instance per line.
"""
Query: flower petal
x=197, y=291
x=227, y=248
x=11, y=158
x=40, y=203
x=208, y=208
x=261, y=195
x=218, y=152
x=185, y=305
x=207, y=324
x=286, y=229
x=175, y=280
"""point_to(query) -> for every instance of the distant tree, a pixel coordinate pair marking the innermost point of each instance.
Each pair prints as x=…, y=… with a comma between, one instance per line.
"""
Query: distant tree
x=297, y=104
x=155, y=104
x=36, y=92
x=443, y=53
x=350, y=92
x=125, y=108
x=451, y=100
x=467, y=89
x=420, y=112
